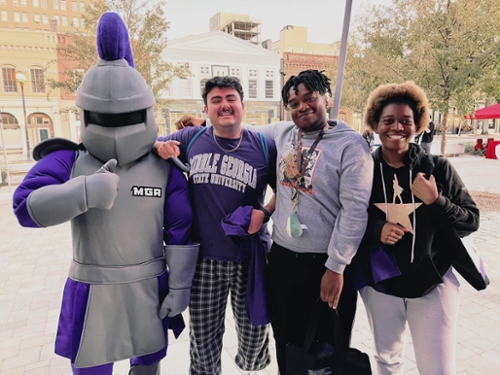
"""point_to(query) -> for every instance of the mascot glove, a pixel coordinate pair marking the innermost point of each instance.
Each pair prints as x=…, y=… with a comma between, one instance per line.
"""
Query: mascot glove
x=102, y=186
x=176, y=301
x=181, y=261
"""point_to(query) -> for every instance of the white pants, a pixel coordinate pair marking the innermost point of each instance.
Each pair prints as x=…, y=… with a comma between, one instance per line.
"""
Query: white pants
x=433, y=325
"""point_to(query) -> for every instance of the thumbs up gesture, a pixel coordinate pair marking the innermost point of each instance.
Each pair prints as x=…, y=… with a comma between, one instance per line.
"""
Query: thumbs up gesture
x=102, y=186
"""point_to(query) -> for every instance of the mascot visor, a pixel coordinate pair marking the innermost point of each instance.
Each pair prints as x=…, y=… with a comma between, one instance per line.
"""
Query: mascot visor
x=115, y=120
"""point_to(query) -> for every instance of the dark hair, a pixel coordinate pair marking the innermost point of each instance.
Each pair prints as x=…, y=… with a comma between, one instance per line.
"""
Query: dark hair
x=393, y=93
x=313, y=80
x=222, y=82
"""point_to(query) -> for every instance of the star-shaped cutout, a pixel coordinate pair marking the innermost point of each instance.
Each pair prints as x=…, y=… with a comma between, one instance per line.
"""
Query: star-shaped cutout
x=399, y=213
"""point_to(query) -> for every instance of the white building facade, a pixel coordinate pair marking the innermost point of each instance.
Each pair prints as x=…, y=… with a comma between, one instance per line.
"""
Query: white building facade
x=220, y=54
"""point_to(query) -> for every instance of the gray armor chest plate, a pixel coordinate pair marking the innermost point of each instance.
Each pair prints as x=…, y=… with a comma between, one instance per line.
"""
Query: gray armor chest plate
x=131, y=232
x=119, y=252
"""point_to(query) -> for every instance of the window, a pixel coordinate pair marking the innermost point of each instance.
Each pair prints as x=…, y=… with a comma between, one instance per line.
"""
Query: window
x=3, y=1
x=9, y=121
x=36, y=3
x=24, y=3
x=4, y=16
x=63, y=4
x=55, y=4
x=185, y=87
x=252, y=72
x=57, y=20
x=45, y=19
x=202, y=85
x=74, y=6
x=15, y=2
x=17, y=17
x=269, y=73
x=301, y=49
x=44, y=4
x=9, y=80
x=252, y=88
x=82, y=22
x=36, y=17
x=25, y=17
x=269, y=89
x=290, y=48
x=64, y=21
x=82, y=7
x=76, y=22
x=37, y=80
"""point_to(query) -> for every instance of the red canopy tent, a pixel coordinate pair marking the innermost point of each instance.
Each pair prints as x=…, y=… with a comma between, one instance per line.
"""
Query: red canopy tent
x=491, y=112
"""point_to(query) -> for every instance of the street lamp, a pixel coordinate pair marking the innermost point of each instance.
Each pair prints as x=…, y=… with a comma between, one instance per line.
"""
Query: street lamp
x=21, y=78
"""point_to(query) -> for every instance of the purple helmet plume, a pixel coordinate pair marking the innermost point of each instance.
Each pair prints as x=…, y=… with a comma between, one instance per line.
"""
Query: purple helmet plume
x=112, y=39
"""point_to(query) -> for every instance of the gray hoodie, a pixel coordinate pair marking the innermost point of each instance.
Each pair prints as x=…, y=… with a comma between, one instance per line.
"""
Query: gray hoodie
x=334, y=193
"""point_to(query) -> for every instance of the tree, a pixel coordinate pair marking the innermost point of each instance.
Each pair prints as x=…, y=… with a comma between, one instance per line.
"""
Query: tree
x=445, y=46
x=371, y=61
x=147, y=29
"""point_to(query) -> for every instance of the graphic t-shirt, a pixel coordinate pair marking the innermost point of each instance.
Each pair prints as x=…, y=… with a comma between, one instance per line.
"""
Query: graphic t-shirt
x=221, y=181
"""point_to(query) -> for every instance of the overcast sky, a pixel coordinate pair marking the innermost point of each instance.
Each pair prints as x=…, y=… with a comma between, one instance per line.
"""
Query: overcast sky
x=323, y=18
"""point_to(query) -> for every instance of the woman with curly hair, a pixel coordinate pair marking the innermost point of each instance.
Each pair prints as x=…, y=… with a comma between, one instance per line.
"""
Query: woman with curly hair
x=405, y=256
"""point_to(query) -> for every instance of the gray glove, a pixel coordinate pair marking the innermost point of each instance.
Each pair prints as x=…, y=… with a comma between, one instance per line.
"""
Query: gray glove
x=181, y=261
x=102, y=186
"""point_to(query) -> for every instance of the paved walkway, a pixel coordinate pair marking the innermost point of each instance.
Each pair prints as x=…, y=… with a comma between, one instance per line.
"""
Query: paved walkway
x=34, y=265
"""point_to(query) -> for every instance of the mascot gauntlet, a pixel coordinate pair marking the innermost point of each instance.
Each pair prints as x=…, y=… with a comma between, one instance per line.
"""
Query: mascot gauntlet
x=56, y=204
x=181, y=261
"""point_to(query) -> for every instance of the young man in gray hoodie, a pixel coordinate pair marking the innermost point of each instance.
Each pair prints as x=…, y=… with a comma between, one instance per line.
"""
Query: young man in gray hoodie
x=325, y=173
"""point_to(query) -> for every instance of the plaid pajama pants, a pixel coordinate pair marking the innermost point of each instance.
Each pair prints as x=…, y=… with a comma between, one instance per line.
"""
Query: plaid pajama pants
x=212, y=282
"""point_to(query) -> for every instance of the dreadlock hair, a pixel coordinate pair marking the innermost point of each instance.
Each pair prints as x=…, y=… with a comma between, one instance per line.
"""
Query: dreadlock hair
x=313, y=80
x=403, y=93
x=222, y=82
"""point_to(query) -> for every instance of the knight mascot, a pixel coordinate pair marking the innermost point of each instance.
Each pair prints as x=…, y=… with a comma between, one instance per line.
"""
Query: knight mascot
x=130, y=215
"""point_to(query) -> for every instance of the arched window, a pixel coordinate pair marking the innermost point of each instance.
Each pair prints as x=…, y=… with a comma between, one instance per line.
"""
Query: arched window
x=9, y=121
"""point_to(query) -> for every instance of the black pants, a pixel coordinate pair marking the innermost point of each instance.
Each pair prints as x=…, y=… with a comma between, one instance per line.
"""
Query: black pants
x=294, y=282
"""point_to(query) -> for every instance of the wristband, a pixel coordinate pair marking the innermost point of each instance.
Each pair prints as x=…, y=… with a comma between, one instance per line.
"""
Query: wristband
x=267, y=215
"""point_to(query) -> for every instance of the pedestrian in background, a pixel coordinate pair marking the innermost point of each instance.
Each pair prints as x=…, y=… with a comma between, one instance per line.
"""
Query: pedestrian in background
x=426, y=137
x=369, y=138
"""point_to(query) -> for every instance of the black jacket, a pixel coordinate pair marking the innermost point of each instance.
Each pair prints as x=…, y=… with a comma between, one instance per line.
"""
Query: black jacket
x=432, y=257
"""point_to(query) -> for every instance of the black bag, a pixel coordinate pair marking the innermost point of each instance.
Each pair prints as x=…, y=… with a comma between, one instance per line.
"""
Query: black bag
x=316, y=356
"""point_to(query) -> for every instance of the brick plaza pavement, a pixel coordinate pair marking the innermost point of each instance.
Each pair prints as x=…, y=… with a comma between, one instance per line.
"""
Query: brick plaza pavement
x=34, y=265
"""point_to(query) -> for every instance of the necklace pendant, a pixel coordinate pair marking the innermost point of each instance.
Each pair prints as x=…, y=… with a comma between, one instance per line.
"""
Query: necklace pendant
x=293, y=226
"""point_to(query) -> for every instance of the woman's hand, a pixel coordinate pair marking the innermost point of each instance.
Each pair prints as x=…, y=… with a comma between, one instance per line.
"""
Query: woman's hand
x=425, y=190
x=392, y=233
x=187, y=120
